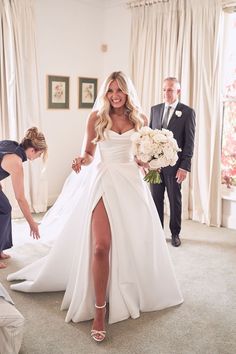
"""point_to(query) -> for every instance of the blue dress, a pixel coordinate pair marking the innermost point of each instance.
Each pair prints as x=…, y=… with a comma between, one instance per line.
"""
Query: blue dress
x=7, y=147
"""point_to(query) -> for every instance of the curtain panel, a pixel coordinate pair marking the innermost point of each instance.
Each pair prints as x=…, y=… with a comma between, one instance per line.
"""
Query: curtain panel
x=182, y=38
x=229, y=5
x=19, y=102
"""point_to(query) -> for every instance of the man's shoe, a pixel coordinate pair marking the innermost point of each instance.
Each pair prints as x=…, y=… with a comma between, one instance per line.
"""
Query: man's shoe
x=175, y=240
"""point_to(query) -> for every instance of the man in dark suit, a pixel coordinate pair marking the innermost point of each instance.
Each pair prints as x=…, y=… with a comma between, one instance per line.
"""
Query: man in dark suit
x=180, y=119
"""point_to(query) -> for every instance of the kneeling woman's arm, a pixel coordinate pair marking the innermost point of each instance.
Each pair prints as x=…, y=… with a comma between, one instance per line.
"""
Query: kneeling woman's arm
x=13, y=165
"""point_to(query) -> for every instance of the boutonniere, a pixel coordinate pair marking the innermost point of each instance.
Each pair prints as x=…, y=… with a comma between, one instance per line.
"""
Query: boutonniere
x=178, y=113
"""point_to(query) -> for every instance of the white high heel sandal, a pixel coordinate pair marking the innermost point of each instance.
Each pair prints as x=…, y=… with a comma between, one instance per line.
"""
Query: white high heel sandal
x=98, y=336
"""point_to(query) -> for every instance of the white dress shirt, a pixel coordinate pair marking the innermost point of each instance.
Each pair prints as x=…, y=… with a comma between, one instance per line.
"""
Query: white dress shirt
x=173, y=106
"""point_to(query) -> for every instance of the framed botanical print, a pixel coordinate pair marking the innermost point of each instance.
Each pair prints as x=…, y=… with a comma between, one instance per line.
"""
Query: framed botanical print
x=87, y=92
x=58, y=92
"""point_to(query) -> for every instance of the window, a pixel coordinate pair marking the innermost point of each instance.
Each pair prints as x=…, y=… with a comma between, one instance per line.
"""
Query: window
x=228, y=159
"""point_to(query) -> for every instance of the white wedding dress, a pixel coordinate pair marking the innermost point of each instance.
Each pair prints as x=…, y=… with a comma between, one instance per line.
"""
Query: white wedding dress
x=141, y=273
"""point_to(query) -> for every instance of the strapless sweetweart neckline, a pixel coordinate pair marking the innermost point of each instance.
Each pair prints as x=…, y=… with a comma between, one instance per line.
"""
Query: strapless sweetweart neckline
x=127, y=131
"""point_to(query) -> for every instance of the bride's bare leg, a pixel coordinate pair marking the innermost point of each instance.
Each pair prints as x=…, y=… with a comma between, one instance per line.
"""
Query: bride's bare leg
x=100, y=260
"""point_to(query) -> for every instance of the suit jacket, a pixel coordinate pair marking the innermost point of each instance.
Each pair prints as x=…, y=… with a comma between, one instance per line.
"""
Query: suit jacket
x=183, y=128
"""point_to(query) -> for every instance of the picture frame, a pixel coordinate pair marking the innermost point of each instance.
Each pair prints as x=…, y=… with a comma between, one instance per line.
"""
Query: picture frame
x=58, y=89
x=87, y=92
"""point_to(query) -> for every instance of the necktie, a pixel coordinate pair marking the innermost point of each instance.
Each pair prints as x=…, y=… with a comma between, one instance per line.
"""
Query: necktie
x=165, y=118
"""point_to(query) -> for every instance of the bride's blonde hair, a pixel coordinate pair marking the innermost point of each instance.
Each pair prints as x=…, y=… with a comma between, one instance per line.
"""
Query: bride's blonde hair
x=133, y=110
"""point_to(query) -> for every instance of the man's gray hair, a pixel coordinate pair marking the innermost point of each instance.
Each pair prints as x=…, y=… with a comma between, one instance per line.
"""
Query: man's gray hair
x=173, y=79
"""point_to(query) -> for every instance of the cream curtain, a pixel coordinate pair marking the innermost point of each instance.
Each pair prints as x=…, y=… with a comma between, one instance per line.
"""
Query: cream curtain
x=19, y=103
x=183, y=39
x=229, y=5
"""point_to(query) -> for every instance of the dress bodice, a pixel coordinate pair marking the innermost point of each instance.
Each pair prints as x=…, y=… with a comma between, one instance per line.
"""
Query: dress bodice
x=116, y=148
x=10, y=147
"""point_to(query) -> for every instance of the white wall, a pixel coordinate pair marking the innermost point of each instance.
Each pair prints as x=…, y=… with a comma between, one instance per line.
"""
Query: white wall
x=117, y=38
x=69, y=35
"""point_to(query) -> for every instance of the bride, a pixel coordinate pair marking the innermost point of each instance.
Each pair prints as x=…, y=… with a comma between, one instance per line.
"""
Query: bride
x=106, y=222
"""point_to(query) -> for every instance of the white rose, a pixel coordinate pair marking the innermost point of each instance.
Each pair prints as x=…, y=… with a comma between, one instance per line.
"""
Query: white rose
x=178, y=113
x=144, y=157
x=155, y=164
x=163, y=161
x=159, y=138
x=146, y=149
x=174, y=160
x=146, y=145
x=168, y=133
x=145, y=130
x=158, y=150
x=168, y=153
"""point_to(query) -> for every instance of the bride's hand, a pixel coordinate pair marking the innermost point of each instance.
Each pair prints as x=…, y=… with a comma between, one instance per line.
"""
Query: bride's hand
x=144, y=165
x=80, y=161
x=77, y=163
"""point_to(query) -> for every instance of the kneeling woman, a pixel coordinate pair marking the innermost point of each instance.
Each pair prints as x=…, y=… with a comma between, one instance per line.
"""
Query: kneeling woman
x=12, y=155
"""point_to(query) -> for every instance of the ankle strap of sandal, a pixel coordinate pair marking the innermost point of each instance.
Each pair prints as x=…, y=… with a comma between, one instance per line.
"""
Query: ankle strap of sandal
x=100, y=307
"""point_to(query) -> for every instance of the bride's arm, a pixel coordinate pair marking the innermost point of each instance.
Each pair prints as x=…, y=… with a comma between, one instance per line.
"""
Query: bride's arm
x=90, y=147
x=141, y=164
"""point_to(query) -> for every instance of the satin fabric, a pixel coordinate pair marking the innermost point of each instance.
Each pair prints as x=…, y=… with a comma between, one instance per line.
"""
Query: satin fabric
x=141, y=273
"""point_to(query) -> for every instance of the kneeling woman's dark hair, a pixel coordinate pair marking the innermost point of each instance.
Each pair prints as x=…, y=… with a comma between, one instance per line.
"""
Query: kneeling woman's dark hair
x=35, y=139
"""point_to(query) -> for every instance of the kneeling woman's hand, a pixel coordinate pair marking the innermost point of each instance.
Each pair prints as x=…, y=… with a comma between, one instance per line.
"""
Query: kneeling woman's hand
x=34, y=230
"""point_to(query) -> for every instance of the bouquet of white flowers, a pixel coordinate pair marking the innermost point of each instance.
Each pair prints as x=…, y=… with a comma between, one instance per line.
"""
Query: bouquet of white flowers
x=158, y=148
